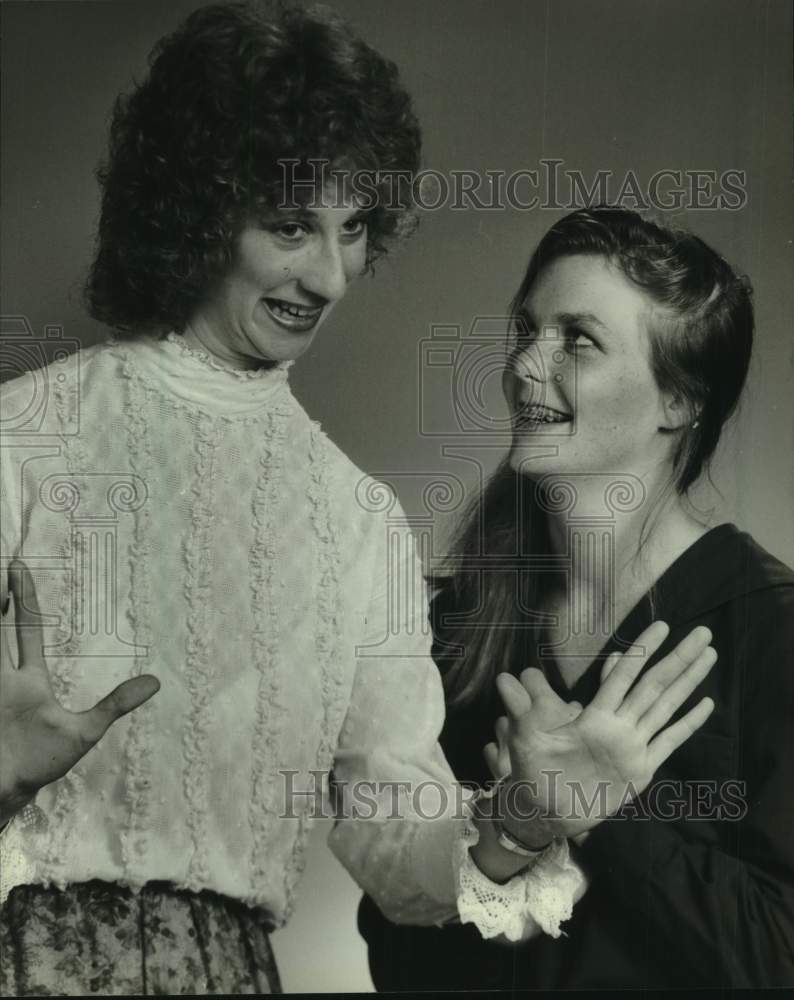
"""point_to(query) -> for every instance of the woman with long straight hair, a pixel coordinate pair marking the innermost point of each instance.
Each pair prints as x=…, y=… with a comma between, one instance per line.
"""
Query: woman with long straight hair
x=631, y=345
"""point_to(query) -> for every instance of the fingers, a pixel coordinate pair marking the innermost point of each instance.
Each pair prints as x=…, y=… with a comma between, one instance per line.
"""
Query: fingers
x=514, y=696
x=609, y=663
x=668, y=703
x=658, y=679
x=491, y=755
x=123, y=699
x=670, y=739
x=543, y=697
x=497, y=756
x=622, y=675
x=535, y=684
x=26, y=614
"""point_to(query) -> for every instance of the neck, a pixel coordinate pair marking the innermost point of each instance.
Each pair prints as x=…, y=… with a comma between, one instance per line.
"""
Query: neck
x=617, y=541
x=200, y=334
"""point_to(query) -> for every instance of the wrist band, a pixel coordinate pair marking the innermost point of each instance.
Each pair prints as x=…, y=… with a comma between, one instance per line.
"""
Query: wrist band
x=504, y=837
x=511, y=843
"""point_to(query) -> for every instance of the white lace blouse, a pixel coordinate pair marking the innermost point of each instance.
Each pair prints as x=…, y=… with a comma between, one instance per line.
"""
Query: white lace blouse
x=192, y=522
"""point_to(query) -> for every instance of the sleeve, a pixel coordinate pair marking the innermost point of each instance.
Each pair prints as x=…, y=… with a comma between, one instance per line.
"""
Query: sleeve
x=10, y=494
x=22, y=411
x=725, y=905
x=404, y=828
x=30, y=431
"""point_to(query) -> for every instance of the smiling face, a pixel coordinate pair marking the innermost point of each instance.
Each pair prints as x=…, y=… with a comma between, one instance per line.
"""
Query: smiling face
x=288, y=274
x=581, y=379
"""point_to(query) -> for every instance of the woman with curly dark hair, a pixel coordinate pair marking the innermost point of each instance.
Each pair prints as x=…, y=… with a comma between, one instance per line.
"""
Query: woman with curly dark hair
x=238, y=115
x=183, y=514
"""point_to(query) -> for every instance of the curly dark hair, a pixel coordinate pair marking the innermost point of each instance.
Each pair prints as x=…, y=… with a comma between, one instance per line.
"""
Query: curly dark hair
x=194, y=150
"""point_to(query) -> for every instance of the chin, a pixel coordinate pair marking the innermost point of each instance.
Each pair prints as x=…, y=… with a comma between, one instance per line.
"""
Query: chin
x=540, y=459
x=275, y=353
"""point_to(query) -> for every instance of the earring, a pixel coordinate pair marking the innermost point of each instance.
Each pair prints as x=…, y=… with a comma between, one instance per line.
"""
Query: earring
x=695, y=423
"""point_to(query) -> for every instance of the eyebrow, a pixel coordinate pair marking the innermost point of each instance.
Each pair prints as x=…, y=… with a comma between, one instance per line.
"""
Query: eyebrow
x=306, y=214
x=569, y=319
x=565, y=319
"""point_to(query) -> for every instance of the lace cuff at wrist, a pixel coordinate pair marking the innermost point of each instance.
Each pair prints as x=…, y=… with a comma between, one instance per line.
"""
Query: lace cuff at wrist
x=543, y=894
x=15, y=866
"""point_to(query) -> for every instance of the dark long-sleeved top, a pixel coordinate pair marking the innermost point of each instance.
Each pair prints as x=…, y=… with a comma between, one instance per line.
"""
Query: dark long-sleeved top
x=692, y=884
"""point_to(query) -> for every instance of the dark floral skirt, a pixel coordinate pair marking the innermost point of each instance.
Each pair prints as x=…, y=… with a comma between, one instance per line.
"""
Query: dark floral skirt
x=96, y=937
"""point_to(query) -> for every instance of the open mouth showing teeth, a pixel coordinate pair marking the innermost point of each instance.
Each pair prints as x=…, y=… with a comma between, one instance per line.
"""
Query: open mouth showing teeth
x=292, y=315
x=535, y=414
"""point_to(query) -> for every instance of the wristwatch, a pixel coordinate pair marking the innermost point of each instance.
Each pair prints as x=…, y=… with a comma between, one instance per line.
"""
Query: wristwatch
x=514, y=845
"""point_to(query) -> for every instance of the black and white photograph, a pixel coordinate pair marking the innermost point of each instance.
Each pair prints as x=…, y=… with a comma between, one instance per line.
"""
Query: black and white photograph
x=396, y=492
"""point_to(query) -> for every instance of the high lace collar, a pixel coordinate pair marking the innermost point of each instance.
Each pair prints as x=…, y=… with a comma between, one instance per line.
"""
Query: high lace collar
x=194, y=377
x=240, y=373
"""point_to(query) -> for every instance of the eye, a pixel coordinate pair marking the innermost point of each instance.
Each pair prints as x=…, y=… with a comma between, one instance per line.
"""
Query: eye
x=578, y=339
x=290, y=232
x=354, y=228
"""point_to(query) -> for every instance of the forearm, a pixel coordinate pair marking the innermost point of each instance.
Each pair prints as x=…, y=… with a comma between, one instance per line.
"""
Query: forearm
x=491, y=858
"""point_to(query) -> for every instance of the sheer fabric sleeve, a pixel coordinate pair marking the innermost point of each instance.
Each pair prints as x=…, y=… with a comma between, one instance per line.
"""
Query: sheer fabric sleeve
x=404, y=825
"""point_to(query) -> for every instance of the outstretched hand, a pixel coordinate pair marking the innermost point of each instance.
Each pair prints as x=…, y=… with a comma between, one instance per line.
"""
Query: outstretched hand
x=39, y=739
x=574, y=767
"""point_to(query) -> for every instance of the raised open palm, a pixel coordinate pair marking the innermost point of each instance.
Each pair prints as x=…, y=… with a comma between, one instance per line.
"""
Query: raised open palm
x=40, y=740
x=578, y=772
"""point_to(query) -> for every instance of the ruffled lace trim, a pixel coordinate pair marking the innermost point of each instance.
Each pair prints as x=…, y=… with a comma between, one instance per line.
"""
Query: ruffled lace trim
x=199, y=668
x=266, y=644
x=544, y=894
x=328, y=598
x=277, y=371
x=17, y=867
x=195, y=409
x=54, y=830
x=327, y=637
x=138, y=748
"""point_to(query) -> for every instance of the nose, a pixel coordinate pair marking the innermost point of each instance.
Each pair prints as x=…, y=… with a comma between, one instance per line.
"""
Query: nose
x=542, y=358
x=325, y=272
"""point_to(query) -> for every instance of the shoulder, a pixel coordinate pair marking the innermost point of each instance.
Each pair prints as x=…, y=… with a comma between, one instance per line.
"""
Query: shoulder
x=751, y=614
x=759, y=584
x=362, y=496
x=42, y=400
x=761, y=570
x=722, y=569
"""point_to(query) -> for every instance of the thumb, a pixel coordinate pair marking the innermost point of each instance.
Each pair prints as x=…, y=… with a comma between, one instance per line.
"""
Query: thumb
x=128, y=696
x=26, y=614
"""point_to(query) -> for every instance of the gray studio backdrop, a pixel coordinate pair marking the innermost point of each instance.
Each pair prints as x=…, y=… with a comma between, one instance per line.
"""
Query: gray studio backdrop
x=623, y=86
